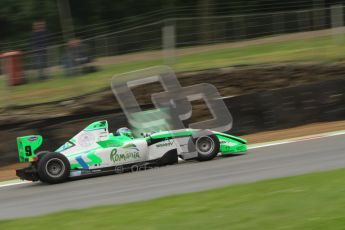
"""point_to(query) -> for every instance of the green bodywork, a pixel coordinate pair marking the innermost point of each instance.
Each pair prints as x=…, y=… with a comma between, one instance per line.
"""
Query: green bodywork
x=238, y=144
x=27, y=146
x=97, y=125
x=93, y=160
x=228, y=143
x=114, y=141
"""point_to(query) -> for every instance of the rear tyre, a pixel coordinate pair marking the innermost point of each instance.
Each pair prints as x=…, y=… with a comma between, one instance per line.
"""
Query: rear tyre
x=39, y=155
x=207, y=147
x=53, y=168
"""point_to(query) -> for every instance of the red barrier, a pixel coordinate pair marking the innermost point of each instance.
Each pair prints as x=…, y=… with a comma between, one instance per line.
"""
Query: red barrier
x=12, y=67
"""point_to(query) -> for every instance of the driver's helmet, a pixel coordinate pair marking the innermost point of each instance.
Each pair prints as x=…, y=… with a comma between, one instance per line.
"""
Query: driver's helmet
x=124, y=131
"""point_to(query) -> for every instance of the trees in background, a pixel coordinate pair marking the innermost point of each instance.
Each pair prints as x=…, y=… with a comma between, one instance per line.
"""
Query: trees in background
x=92, y=17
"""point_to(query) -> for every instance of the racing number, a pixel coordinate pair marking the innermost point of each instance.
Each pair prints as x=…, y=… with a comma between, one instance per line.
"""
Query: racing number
x=28, y=151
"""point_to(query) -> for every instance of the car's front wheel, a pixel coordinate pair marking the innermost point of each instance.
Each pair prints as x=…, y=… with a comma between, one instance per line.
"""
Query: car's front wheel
x=207, y=147
x=53, y=168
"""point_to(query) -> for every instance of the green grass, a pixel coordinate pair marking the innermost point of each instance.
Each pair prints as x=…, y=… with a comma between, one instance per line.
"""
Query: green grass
x=312, y=201
x=60, y=87
x=316, y=49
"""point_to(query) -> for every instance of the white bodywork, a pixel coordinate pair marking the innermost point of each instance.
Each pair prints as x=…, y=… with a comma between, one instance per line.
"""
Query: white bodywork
x=85, y=150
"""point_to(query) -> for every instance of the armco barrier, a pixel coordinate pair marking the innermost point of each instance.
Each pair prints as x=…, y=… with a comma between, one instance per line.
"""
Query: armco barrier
x=269, y=110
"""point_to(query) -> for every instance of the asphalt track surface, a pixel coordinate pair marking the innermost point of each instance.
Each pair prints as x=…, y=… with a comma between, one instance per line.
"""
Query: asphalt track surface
x=261, y=163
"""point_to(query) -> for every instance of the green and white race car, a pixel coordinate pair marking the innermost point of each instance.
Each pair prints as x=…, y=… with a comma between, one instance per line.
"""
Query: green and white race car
x=94, y=151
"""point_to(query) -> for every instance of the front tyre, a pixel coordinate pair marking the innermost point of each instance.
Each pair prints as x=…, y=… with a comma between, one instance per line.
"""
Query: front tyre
x=53, y=168
x=207, y=147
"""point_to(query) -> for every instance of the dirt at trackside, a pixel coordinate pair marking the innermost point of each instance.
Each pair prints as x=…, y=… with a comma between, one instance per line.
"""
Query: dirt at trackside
x=229, y=81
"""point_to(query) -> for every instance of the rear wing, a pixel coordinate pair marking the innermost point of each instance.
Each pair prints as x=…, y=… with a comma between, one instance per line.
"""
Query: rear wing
x=27, y=146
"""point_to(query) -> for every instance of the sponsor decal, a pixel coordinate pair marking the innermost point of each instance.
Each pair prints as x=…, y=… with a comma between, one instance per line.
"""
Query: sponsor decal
x=128, y=155
x=31, y=139
x=165, y=143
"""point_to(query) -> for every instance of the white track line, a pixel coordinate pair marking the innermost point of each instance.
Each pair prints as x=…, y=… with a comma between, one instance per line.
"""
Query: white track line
x=296, y=139
x=252, y=146
x=11, y=183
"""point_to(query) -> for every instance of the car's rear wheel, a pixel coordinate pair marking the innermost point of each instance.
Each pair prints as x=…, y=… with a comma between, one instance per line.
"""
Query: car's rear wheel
x=40, y=154
x=53, y=168
x=207, y=147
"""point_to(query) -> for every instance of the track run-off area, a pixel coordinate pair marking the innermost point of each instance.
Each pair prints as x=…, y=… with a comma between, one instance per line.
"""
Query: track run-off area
x=262, y=161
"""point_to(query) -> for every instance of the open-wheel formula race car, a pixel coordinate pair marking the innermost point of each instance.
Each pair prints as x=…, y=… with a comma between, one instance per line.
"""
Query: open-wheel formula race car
x=94, y=150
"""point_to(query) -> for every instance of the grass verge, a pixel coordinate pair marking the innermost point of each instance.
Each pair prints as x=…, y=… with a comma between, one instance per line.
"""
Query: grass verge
x=325, y=49
x=312, y=201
